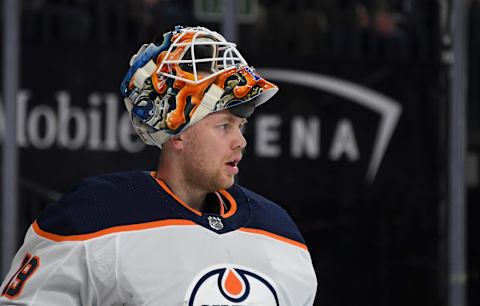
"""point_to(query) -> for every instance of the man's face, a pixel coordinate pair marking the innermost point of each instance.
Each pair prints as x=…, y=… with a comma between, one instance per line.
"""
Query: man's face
x=212, y=149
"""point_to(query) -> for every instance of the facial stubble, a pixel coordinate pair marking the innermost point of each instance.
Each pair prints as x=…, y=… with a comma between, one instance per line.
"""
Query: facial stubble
x=200, y=170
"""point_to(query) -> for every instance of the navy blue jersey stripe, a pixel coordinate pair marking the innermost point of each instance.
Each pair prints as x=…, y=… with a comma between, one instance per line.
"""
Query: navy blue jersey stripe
x=134, y=197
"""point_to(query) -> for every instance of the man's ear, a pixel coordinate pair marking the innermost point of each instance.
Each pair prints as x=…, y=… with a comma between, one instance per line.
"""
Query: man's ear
x=176, y=142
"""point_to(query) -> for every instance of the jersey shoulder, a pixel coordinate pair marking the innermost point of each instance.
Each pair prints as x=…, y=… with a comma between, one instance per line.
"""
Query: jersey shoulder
x=269, y=216
x=105, y=201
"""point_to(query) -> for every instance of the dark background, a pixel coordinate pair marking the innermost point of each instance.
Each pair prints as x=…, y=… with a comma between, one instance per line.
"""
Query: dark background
x=372, y=242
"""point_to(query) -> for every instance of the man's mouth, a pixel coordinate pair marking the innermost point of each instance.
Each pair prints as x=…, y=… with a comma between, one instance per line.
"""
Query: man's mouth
x=234, y=162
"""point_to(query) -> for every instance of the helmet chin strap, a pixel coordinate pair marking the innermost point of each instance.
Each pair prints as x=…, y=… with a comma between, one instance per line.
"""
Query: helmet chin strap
x=207, y=106
x=158, y=138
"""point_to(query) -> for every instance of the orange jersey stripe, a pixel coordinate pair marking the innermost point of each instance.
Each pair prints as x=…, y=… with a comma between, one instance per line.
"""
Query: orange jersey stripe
x=115, y=229
x=170, y=192
x=149, y=225
x=274, y=236
x=233, y=204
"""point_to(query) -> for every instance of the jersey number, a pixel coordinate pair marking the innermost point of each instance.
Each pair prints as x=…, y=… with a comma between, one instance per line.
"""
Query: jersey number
x=18, y=280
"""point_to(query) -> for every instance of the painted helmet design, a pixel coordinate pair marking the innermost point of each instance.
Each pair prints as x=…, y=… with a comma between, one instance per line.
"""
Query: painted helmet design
x=191, y=74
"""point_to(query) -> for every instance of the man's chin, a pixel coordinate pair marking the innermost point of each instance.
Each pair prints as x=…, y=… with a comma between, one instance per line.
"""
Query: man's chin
x=227, y=183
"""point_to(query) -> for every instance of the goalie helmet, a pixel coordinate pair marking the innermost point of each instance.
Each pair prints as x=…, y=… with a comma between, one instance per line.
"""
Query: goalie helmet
x=192, y=73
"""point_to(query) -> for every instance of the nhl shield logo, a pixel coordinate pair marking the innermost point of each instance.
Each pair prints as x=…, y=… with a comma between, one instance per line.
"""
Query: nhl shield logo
x=215, y=223
x=230, y=285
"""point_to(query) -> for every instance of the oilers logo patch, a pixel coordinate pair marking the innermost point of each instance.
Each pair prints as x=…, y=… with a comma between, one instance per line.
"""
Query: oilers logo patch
x=230, y=285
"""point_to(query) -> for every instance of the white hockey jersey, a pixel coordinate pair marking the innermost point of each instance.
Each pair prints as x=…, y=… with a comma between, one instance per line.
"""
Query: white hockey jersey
x=127, y=239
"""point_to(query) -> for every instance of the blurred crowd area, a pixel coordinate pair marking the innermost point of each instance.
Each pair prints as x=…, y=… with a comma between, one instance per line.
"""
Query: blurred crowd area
x=367, y=29
x=99, y=22
x=391, y=29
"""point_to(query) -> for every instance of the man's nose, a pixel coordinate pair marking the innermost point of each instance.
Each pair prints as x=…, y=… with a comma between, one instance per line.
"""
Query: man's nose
x=240, y=141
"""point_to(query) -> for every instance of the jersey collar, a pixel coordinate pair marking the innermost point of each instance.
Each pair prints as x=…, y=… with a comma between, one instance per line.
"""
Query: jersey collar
x=225, y=201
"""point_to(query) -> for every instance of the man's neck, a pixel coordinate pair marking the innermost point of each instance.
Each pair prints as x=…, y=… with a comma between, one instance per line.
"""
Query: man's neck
x=191, y=196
